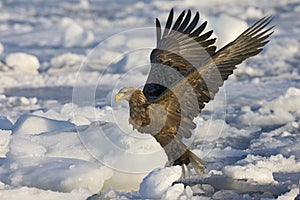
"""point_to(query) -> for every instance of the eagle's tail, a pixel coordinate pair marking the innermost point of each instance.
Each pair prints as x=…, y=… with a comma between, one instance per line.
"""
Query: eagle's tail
x=197, y=163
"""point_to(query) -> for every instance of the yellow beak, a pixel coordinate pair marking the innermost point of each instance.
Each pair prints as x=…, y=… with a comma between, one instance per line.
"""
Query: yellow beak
x=119, y=97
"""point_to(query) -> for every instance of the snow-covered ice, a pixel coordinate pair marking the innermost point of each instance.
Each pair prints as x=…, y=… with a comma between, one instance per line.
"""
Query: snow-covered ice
x=157, y=182
x=23, y=63
x=75, y=34
x=261, y=169
x=62, y=136
x=64, y=61
x=1, y=48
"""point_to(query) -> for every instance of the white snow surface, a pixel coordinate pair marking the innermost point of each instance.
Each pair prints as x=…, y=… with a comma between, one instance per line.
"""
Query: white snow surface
x=159, y=181
x=261, y=169
x=23, y=63
x=62, y=136
x=1, y=48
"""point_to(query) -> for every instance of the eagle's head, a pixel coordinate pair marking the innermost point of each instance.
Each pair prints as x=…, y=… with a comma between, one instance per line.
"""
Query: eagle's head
x=126, y=93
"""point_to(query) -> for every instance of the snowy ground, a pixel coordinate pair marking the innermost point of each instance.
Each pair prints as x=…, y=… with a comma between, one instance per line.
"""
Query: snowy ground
x=63, y=137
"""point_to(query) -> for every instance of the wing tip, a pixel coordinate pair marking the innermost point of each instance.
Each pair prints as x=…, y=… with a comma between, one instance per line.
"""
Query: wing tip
x=157, y=22
x=189, y=12
x=258, y=25
x=158, y=31
x=171, y=11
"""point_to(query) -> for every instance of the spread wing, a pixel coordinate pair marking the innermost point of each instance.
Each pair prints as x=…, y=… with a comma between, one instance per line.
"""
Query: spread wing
x=180, y=48
x=217, y=69
x=202, y=83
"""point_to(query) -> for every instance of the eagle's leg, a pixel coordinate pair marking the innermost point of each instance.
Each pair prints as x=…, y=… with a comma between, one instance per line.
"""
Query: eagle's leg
x=197, y=163
x=186, y=172
x=168, y=164
x=183, y=171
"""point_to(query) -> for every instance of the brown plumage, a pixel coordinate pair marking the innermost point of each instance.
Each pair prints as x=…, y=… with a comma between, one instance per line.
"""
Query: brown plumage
x=186, y=73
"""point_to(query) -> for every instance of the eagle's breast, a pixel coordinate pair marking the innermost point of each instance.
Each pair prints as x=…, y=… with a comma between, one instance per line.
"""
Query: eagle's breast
x=139, y=110
x=144, y=116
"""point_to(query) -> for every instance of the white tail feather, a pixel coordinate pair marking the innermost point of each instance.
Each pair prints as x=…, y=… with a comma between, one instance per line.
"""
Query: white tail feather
x=197, y=163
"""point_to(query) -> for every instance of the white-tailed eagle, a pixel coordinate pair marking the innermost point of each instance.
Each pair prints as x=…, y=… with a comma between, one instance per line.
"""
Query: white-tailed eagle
x=186, y=73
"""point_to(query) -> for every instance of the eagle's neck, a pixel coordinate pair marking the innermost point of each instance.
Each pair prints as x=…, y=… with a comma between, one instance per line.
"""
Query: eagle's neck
x=137, y=98
x=139, y=109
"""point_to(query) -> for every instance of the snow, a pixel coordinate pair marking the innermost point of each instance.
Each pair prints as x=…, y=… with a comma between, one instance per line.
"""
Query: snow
x=260, y=169
x=66, y=60
x=4, y=141
x=62, y=136
x=57, y=174
x=24, y=125
x=23, y=63
x=249, y=172
x=75, y=34
x=292, y=194
x=276, y=112
x=159, y=181
x=21, y=193
x=40, y=156
x=173, y=192
x=290, y=100
x=9, y=102
x=1, y=48
x=236, y=26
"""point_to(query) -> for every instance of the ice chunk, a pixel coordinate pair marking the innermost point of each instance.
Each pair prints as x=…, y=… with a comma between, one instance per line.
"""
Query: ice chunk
x=66, y=61
x=173, y=192
x=132, y=155
x=249, y=172
x=10, y=102
x=276, y=112
x=20, y=193
x=227, y=28
x=25, y=147
x=157, y=182
x=260, y=169
x=211, y=130
x=23, y=63
x=289, y=101
x=74, y=34
x=31, y=124
x=57, y=174
x=4, y=141
x=280, y=140
x=277, y=163
x=254, y=12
